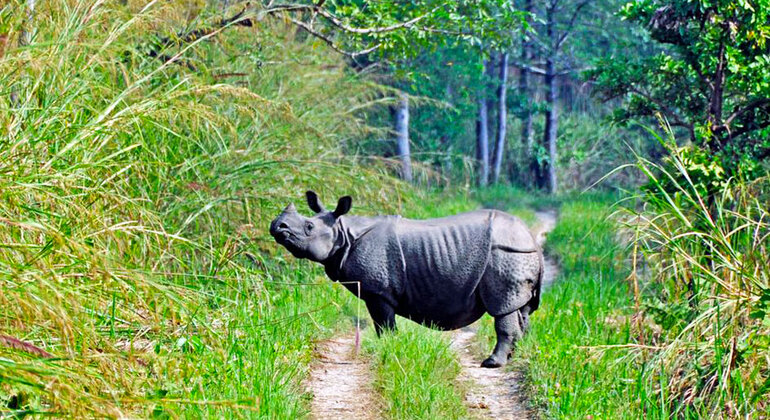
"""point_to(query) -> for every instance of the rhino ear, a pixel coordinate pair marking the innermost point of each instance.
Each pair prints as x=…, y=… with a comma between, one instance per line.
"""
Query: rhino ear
x=314, y=203
x=343, y=206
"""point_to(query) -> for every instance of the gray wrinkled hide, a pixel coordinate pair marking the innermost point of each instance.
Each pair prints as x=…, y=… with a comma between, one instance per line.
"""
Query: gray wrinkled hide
x=443, y=273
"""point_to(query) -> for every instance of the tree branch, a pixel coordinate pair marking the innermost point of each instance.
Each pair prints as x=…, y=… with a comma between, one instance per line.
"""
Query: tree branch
x=748, y=128
x=571, y=24
x=331, y=43
x=541, y=72
x=243, y=19
x=190, y=36
x=334, y=20
x=527, y=67
x=756, y=103
x=675, y=118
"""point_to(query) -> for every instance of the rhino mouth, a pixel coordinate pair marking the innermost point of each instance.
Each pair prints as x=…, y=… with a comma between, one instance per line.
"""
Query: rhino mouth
x=287, y=240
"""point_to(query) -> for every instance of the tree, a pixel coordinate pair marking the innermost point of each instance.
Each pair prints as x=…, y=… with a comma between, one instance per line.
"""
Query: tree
x=527, y=137
x=482, y=150
x=502, y=116
x=402, y=137
x=709, y=74
x=550, y=37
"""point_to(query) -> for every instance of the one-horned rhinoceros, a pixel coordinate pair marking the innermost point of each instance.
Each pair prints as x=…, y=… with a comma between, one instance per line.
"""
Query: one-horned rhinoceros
x=444, y=273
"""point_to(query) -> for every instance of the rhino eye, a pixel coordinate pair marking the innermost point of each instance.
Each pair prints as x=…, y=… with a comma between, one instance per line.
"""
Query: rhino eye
x=309, y=227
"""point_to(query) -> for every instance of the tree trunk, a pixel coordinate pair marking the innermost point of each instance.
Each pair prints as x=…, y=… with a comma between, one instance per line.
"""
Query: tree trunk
x=716, y=101
x=551, y=113
x=502, y=115
x=526, y=54
x=551, y=123
x=402, y=137
x=482, y=133
x=527, y=133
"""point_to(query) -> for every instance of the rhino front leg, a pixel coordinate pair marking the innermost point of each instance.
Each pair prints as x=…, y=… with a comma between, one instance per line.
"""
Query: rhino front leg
x=382, y=313
x=508, y=329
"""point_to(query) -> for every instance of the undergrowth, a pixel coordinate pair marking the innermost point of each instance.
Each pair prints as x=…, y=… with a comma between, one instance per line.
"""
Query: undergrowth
x=663, y=315
x=136, y=271
x=573, y=370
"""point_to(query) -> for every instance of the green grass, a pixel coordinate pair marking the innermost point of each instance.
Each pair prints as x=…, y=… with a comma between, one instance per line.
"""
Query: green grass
x=588, y=355
x=570, y=375
x=416, y=373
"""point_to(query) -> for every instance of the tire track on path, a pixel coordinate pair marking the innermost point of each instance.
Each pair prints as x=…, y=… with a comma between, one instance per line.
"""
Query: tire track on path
x=497, y=393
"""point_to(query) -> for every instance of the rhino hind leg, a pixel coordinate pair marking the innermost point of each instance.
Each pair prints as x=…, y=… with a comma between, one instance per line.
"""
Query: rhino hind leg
x=510, y=281
x=508, y=289
x=508, y=330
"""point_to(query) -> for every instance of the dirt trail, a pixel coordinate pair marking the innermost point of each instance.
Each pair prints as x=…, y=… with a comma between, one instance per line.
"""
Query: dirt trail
x=341, y=382
x=498, y=393
x=492, y=393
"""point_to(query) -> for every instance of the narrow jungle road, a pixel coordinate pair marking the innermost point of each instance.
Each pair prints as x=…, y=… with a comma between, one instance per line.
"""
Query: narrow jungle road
x=497, y=393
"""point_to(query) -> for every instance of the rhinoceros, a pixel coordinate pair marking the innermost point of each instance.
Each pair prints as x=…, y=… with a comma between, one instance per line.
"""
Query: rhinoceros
x=444, y=273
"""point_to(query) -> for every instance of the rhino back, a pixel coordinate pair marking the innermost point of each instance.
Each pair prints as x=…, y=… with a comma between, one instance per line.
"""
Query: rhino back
x=448, y=253
x=430, y=270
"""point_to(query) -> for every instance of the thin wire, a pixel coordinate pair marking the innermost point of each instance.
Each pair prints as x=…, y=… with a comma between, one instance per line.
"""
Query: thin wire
x=358, y=319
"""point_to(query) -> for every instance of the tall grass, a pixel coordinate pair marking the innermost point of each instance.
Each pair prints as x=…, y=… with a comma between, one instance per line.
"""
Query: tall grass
x=707, y=239
x=664, y=316
x=134, y=199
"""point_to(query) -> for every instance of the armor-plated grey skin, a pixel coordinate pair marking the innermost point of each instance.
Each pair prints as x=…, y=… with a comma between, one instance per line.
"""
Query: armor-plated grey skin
x=444, y=273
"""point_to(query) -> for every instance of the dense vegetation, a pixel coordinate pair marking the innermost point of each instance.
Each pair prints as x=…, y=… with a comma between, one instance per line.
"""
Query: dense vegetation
x=135, y=273
x=145, y=147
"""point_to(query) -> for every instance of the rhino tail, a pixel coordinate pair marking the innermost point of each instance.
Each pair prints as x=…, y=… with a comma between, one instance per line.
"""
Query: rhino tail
x=534, y=303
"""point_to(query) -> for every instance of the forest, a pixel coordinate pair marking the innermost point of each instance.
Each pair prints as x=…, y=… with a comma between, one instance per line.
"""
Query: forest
x=146, y=146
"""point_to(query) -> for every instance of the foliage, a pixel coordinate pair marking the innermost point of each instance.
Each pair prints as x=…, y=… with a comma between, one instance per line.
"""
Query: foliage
x=708, y=246
x=681, y=337
x=590, y=149
x=708, y=75
x=435, y=23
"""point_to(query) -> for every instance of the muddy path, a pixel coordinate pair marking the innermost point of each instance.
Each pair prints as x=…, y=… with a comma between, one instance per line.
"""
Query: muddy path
x=499, y=393
x=341, y=382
